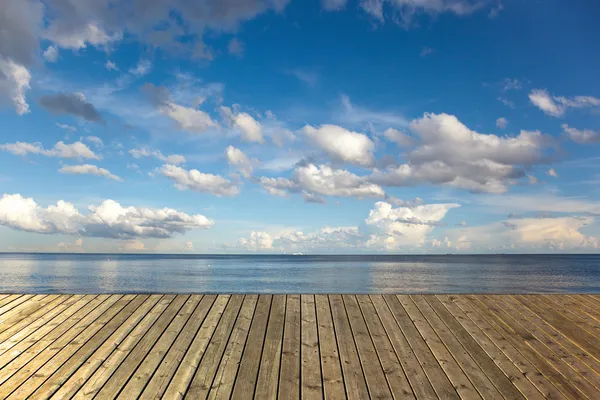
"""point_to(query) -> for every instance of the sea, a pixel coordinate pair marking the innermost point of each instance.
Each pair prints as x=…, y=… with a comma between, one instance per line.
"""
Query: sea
x=156, y=273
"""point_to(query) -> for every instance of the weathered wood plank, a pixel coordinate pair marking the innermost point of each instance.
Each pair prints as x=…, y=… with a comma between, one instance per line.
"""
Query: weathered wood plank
x=268, y=373
x=24, y=310
x=333, y=382
x=245, y=381
x=289, y=375
x=310, y=379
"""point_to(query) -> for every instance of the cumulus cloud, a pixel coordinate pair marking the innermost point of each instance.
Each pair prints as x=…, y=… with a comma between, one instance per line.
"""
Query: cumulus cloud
x=501, y=123
x=237, y=158
x=51, y=54
x=398, y=137
x=395, y=227
x=327, y=238
x=199, y=182
x=256, y=241
x=14, y=83
x=342, y=145
x=88, y=169
x=449, y=153
x=71, y=104
x=60, y=150
x=552, y=173
x=556, y=106
x=79, y=37
x=107, y=220
x=189, y=119
x=585, y=136
x=144, y=153
x=249, y=128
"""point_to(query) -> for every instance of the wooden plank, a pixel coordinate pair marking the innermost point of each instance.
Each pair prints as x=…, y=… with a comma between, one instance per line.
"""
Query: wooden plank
x=28, y=376
x=9, y=299
x=410, y=364
x=108, y=366
x=584, y=305
x=376, y=380
x=185, y=371
x=23, y=329
x=16, y=303
x=70, y=387
x=561, y=346
x=569, y=309
x=477, y=353
x=119, y=378
x=24, y=310
x=564, y=325
x=154, y=356
x=268, y=373
x=333, y=382
x=438, y=379
x=203, y=378
x=73, y=355
x=466, y=362
x=245, y=381
x=289, y=377
x=354, y=379
x=163, y=375
x=222, y=386
x=310, y=379
x=444, y=357
x=392, y=367
x=511, y=371
x=29, y=355
x=527, y=344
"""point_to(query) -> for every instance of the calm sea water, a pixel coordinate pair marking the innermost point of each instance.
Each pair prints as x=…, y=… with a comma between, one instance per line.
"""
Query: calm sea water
x=102, y=273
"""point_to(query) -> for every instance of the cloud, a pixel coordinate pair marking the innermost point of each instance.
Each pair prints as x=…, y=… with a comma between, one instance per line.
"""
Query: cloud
x=327, y=238
x=235, y=47
x=107, y=220
x=257, y=241
x=199, y=182
x=322, y=180
x=79, y=37
x=449, y=153
x=66, y=127
x=132, y=245
x=552, y=173
x=425, y=51
x=398, y=137
x=495, y=11
x=250, y=129
x=95, y=140
x=51, y=54
x=585, y=136
x=72, y=104
x=510, y=84
x=404, y=11
x=237, y=158
x=188, y=119
x=14, y=83
x=333, y=5
x=111, y=66
x=311, y=78
x=144, y=152
x=87, y=169
x=556, y=106
x=60, y=150
x=395, y=227
x=501, y=123
x=342, y=145
x=353, y=115
x=506, y=102
x=142, y=68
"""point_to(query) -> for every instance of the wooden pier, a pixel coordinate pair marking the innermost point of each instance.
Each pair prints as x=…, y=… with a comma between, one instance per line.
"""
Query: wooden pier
x=299, y=346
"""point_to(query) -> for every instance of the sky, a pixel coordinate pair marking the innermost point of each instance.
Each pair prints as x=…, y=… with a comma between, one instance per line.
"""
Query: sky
x=287, y=126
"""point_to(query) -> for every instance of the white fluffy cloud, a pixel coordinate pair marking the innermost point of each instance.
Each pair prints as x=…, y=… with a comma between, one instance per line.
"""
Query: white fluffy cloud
x=395, y=227
x=144, y=153
x=108, y=220
x=342, y=145
x=79, y=38
x=328, y=238
x=14, y=83
x=88, y=169
x=198, y=181
x=51, y=54
x=398, y=137
x=60, y=150
x=450, y=153
x=250, y=129
x=257, y=241
x=237, y=158
x=322, y=180
x=585, y=136
x=556, y=106
x=552, y=173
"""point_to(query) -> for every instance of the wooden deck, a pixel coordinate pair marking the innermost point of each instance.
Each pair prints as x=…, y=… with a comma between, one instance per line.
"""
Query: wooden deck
x=299, y=346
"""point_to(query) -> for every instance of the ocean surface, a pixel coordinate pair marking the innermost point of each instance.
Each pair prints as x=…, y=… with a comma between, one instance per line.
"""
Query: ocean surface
x=116, y=273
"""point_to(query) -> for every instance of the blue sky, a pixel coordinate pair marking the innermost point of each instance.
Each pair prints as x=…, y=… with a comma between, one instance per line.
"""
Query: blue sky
x=422, y=126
